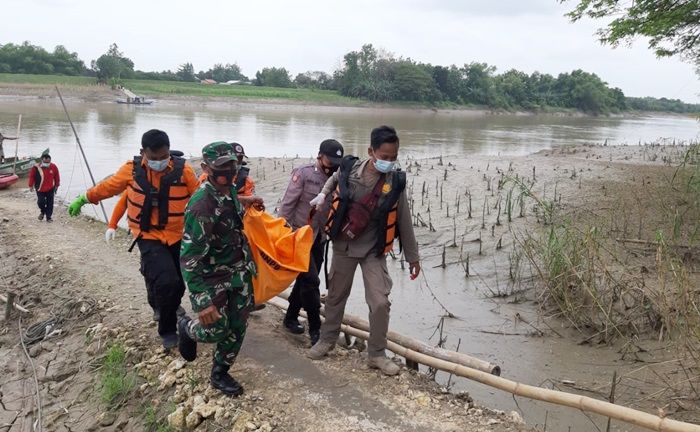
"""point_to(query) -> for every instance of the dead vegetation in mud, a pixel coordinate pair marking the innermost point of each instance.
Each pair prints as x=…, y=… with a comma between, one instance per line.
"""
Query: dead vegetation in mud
x=604, y=241
x=619, y=263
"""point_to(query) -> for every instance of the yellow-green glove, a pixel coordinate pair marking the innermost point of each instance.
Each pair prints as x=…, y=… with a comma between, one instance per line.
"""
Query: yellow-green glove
x=77, y=204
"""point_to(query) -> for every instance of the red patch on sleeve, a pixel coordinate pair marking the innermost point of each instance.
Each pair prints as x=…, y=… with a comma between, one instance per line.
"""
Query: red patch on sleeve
x=295, y=178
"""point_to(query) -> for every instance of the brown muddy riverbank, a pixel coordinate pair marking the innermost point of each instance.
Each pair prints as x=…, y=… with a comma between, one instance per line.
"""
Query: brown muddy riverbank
x=499, y=315
x=104, y=94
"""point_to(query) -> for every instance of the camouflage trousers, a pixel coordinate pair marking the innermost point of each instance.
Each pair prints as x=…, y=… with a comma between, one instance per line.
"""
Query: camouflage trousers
x=229, y=330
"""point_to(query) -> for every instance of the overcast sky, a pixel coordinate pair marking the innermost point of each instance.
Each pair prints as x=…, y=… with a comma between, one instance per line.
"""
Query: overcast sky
x=301, y=35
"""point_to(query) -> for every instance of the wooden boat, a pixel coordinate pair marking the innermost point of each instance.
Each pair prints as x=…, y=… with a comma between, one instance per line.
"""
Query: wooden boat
x=7, y=180
x=21, y=167
x=134, y=101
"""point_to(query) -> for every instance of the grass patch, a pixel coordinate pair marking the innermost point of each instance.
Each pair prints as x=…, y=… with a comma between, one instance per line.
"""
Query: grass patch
x=116, y=381
x=154, y=422
x=152, y=88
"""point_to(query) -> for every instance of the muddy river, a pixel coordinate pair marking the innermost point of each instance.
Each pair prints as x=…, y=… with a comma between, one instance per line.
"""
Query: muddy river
x=484, y=326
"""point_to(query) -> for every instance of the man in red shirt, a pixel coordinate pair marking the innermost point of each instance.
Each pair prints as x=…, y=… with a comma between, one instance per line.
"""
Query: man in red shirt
x=44, y=179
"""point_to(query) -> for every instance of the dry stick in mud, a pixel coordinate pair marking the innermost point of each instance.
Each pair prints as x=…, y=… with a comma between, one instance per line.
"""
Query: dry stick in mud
x=19, y=127
x=77, y=139
x=16, y=306
x=583, y=403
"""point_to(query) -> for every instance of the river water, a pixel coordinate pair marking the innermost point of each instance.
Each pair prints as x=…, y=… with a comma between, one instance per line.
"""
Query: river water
x=110, y=134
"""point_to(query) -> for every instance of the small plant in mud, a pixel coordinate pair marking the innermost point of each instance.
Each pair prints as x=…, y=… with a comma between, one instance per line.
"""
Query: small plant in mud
x=116, y=381
x=192, y=379
x=154, y=422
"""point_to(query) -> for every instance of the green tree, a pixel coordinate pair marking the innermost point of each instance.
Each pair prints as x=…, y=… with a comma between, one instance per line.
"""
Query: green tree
x=478, y=84
x=186, y=72
x=224, y=73
x=113, y=65
x=672, y=26
x=32, y=59
x=314, y=79
x=414, y=83
x=273, y=77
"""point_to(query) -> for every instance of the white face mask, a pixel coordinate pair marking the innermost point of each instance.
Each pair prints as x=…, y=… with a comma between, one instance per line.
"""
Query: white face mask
x=158, y=165
x=45, y=164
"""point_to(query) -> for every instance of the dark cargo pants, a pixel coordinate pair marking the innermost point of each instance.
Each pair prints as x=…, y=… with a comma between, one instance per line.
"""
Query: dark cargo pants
x=160, y=267
x=305, y=293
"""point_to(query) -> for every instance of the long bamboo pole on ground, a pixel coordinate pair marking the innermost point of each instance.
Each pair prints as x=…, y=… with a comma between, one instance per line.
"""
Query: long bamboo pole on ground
x=19, y=127
x=583, y=403
x=419, y=346
x=104, y=212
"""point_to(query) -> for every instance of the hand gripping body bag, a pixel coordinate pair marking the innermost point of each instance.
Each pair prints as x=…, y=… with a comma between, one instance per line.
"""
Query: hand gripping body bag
x=280, y=253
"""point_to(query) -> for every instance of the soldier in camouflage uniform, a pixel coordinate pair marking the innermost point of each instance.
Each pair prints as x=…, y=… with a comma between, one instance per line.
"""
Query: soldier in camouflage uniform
x=217, y=266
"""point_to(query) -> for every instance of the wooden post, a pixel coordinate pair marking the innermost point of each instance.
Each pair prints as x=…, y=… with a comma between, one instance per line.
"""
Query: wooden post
x=19, y=127
x=9, y=305
x=413, y=365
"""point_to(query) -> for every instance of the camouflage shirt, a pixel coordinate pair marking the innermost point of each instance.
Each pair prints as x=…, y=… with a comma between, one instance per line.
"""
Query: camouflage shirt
x=214, y=256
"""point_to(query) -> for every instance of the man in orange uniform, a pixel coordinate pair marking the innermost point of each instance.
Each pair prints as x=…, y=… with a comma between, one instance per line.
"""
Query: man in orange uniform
x=158, y=187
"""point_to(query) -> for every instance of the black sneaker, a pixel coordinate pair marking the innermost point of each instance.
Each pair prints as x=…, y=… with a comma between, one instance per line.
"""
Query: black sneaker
x=185, y=344
x=221, y=380
x=41, y=216
x=49, y=220
x=294, y=326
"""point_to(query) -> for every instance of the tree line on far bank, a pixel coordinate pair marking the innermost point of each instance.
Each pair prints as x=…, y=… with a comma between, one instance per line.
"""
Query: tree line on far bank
x=373, y=75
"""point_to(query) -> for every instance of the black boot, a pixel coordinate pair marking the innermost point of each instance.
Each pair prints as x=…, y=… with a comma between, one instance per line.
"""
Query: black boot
x=314, y=335
x=293, y=326
x=185, y=344
x=221, y=380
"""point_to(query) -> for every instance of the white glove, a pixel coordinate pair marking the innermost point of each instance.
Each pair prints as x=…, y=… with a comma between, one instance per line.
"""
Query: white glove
x=318, y=201
x=110, y=234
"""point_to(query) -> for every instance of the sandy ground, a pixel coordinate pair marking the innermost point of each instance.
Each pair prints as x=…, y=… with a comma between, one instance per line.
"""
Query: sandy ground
x=49, y=264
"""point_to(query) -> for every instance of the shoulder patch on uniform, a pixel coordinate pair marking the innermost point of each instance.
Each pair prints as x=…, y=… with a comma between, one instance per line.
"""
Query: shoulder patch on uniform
x=386, y=188
x=295, y=178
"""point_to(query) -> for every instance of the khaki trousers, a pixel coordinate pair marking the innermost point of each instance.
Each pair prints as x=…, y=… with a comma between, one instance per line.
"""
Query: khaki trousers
x=377, y=288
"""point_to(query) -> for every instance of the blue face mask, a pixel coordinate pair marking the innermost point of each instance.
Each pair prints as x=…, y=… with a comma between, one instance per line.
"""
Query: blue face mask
x=384, y=166
x=158, y=165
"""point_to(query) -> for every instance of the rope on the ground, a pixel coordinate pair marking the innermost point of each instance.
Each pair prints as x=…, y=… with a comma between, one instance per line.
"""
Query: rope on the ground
x=36, y=380
x=68, y=309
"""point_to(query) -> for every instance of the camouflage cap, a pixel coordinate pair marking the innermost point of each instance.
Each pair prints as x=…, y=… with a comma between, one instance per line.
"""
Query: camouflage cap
x=218, y=153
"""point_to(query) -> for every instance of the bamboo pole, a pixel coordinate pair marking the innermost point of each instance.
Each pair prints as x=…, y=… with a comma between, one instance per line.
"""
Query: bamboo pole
x=583, y=403
x=419, y=346
x=19, y=127
x=104, y=212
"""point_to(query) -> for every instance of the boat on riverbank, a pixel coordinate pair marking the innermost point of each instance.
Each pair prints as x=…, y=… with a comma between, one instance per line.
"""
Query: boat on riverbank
x=21, y=166
x=7, y=180
x=134, y=101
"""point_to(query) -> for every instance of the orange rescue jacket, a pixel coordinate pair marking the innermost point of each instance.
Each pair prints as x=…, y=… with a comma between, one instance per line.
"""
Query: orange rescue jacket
x=179, y=194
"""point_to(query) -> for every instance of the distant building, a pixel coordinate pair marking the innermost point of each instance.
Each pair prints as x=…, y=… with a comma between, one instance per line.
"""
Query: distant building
x=208, y=81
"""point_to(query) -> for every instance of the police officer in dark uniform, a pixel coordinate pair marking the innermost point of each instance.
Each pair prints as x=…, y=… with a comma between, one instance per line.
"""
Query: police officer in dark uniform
x=305, y=184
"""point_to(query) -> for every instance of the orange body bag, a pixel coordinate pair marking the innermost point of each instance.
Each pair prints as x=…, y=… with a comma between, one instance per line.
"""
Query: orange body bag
x=280, y=253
